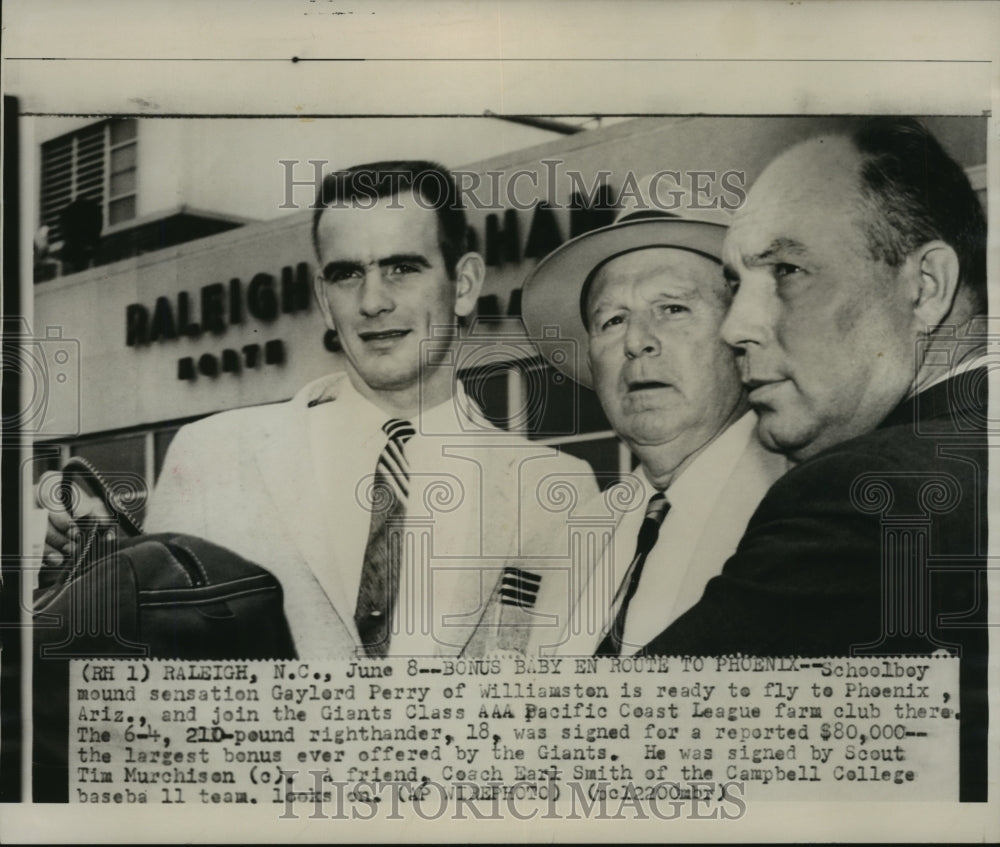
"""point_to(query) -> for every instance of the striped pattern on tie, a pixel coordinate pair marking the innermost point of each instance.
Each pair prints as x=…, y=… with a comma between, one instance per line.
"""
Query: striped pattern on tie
x=519, y=588
x=392, y=464
x=379, y=586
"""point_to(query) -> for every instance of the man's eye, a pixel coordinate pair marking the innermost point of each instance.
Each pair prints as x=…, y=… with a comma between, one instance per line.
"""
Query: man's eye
x=343, y=275
x=673, y=309
x=402, y=269
x=784, y=269
x=614, y=320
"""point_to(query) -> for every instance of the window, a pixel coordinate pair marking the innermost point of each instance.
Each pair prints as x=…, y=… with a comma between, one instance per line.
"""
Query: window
x=122, y=161
x=97, y=163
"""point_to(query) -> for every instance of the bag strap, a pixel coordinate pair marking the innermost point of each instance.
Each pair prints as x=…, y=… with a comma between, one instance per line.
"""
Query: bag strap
x=113, y=497
x=123, y=522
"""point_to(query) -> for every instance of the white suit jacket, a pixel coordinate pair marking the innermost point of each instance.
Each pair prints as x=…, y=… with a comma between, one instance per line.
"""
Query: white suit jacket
x=248, y=479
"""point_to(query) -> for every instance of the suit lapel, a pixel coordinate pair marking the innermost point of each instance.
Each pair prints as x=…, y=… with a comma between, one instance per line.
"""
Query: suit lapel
x=583, y=607
x=287, y=465
x=460, y=596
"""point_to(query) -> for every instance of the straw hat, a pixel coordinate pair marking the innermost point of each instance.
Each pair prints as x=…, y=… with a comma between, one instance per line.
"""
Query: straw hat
x=552, y=299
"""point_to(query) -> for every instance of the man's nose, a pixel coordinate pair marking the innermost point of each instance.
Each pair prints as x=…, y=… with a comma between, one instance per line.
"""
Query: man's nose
x=640, y=340
x=375, y=295
x=747, y=320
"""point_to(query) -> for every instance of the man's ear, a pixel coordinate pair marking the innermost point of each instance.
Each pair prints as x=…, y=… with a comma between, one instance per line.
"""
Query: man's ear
x=319, y=289
x=934, y=269
x=470, y=271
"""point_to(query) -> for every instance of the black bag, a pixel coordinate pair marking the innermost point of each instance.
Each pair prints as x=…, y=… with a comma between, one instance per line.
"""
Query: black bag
x=163, y=596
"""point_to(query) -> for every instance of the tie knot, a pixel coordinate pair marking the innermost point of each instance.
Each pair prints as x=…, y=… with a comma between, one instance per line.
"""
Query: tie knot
x=649, y=531
x=657, y=508
x=398, y=430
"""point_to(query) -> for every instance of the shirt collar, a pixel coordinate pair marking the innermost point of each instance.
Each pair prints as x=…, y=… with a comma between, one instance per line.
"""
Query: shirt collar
x=359, y=408
x=457, y=415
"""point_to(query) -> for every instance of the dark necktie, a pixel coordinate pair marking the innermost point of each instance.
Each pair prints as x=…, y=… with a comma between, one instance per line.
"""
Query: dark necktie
x=656, y=511
x=380, y=572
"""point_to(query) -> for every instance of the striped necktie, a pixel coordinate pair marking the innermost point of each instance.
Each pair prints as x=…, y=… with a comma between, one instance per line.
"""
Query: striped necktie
x=380, y=572
x=649, y=532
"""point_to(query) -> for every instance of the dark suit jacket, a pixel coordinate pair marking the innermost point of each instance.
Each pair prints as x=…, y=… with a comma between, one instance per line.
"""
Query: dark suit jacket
x=876, y=546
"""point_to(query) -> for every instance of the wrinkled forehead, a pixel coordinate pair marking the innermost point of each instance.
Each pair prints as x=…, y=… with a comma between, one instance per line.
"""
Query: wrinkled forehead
x=670, y=268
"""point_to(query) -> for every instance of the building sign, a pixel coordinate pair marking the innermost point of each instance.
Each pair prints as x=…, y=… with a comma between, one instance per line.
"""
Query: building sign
x=220, y=306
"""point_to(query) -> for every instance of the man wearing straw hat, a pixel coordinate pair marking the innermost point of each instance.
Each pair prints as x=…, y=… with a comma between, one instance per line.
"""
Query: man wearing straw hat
x=645, y=297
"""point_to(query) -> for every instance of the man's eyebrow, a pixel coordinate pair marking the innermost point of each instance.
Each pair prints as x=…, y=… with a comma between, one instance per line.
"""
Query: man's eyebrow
x=405, y=258
x=616, y=303
x=341, y=265
x=603, y=304
x=778, y=247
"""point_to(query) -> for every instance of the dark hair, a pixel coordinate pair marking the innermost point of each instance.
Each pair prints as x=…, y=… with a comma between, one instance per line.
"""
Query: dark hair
x=432, y=184
x=918, y=193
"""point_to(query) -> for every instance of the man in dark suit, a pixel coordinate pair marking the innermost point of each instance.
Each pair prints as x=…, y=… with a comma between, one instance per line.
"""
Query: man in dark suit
x=858, y=266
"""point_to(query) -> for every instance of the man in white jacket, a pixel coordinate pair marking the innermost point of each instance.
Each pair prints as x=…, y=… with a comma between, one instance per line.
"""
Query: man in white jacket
x=321, y=489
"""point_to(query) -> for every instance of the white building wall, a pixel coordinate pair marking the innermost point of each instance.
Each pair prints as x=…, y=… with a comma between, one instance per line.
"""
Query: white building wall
x=160, y=165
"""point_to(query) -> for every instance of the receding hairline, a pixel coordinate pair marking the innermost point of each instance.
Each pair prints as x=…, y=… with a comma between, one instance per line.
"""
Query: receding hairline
x=837, y=149
x=836, y=165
